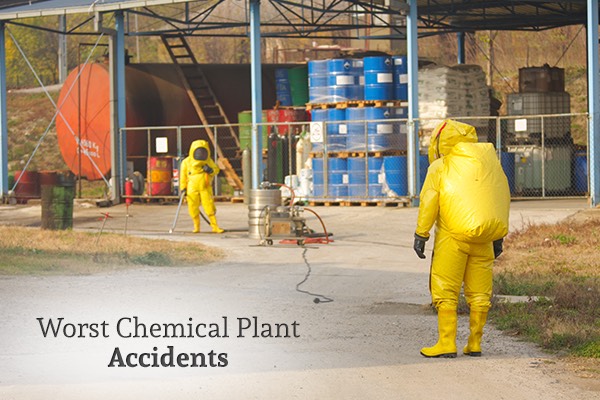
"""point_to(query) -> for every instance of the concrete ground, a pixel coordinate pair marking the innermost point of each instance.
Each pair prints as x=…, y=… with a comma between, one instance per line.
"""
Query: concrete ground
x=362, y=345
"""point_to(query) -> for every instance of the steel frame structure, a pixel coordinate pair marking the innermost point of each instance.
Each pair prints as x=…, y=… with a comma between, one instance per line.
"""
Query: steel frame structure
x=346, y=18
x=323, y=19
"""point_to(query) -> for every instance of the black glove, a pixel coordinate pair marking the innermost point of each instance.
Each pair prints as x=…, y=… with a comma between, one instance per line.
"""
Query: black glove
x=419, y=245
x=206, y=168
x=498, y=247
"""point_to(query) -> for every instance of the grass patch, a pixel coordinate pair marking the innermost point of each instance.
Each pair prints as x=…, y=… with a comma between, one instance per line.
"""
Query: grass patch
x=30, y=251
x=560, y=263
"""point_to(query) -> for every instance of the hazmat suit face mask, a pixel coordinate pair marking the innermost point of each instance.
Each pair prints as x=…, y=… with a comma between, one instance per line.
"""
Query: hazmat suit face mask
x=200, y=154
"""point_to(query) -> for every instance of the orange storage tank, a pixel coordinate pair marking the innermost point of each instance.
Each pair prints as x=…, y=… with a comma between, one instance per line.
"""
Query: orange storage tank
x=154, y=97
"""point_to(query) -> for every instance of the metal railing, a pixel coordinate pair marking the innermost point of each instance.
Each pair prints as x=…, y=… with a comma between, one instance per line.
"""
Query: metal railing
x=543, y=156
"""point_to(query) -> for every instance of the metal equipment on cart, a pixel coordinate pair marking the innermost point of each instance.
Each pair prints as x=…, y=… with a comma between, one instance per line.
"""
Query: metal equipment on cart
x=287, y=224
x=284, y=223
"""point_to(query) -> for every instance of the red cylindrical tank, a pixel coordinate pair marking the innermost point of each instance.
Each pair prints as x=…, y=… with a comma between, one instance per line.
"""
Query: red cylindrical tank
x=160, y=174
x=28, y=186
x=286, y=115
x=48, y=178
x=154, y=95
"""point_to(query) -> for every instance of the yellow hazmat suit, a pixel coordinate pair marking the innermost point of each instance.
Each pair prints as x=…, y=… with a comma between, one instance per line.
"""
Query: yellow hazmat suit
x=466, y=195
x=196, y=175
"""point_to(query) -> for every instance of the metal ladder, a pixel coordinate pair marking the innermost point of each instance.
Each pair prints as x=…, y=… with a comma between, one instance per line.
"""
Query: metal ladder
x=207, y=106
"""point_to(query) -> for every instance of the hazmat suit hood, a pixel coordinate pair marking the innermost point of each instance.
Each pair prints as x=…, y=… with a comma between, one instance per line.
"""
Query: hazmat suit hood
x=199, y=153
x=448, y=134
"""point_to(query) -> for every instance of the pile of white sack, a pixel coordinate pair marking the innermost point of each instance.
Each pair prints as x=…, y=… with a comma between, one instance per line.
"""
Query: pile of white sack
x=452, y=92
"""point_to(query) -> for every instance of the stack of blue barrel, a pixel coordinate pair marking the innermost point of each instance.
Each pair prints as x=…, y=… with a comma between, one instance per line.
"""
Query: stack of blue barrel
x=360, y=129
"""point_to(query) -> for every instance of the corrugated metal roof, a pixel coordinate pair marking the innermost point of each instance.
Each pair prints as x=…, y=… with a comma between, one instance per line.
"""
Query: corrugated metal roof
x=445, y=15
x=64, y=7
x=468, y=15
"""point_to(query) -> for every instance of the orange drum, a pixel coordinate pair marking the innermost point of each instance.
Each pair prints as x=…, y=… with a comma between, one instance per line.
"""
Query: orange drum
x=160, y=174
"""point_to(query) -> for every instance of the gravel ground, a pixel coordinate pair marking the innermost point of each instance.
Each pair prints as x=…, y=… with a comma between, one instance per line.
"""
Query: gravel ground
x=362, y=345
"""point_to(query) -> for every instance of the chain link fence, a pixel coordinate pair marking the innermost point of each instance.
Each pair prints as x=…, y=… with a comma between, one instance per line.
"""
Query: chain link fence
x=543, y=156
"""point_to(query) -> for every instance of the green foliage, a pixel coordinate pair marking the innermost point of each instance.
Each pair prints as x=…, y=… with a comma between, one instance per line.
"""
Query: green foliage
x=568, y=319
x=565, y=239
x=516, y=285
x=590, y=349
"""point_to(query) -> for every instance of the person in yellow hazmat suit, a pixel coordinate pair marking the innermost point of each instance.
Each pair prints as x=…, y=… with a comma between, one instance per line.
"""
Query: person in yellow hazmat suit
x=466, y=195
x=196, y=174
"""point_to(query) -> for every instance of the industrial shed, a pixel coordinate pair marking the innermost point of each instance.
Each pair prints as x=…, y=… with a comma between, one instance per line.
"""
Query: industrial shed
x=406, y=20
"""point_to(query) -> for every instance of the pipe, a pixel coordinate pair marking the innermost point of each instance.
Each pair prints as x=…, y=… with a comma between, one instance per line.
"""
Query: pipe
x=413, y=103
x=256, y=85
x=3, y=118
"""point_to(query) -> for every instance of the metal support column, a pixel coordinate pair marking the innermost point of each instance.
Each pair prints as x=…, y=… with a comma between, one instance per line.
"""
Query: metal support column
x=3, y=119
x=118, y=108
x=256, y=78
x=413, y=104
x=593, y=100
x=460, y=38
x=62, y=49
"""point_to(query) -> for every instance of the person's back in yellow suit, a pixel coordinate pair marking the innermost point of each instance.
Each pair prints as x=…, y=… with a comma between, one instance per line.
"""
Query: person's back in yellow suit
x=196, y=175
x=466, y=195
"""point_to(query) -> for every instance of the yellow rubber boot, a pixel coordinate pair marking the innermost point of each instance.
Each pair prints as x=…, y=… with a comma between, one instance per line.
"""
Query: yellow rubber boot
x=476, y=323
x=446, y=345
x=196, y=224
x=213, y=224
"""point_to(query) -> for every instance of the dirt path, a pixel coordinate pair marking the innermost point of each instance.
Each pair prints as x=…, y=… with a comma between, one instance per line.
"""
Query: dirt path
x=363, y=345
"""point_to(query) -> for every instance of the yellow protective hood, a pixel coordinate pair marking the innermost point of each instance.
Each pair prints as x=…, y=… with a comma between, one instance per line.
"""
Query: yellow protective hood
x=447, y=135
x=196, y=144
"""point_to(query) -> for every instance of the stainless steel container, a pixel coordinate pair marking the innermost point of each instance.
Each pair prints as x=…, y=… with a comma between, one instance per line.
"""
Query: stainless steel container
x=259, y=200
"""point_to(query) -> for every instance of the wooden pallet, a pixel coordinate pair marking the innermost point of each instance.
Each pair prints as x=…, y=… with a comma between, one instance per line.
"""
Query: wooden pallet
x=376, y=203
x=237, y=200
x=359, y=154
x=326, y=203
x=357, y=103
x=355, y=202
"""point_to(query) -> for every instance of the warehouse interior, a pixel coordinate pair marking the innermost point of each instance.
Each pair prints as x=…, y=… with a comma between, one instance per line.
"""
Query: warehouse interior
x=374, y=108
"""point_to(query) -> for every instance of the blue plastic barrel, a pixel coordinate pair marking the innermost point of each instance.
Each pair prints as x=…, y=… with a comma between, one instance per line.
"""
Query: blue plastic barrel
x=283, y=89
x=343, y=81
x=379, y=78
x=396, y=175
x=335, y=128
x=356, y=128
x=337, y=170
x=358, y=166
x=399, y=140
x=380, y=132
x=580, y=172
x=400, y=77
x=507, y=160
x=357, y=177
x=318, y=81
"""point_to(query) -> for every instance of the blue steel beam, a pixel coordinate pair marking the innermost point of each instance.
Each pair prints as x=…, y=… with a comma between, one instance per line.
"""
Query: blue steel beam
x=256, y=85
x=413, y=103
x=3, y=118
x=460, y=37
x=593, y=100
x=122, y=106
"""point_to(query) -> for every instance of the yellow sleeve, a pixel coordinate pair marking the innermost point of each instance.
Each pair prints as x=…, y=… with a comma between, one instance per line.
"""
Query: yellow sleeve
x=214, y=167
x=429, y=199
x=183, y=175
